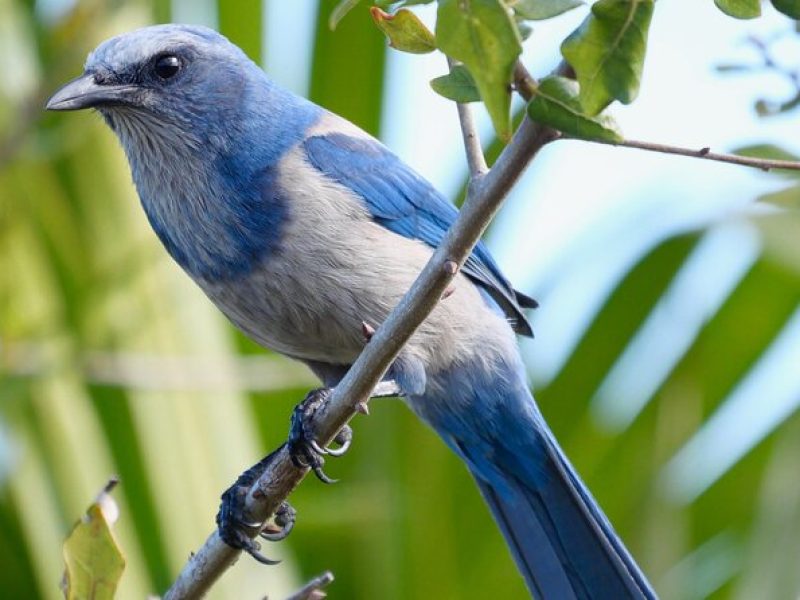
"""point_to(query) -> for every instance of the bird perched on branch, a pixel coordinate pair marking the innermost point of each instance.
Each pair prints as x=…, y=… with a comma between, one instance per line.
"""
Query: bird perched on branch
x=300, y=227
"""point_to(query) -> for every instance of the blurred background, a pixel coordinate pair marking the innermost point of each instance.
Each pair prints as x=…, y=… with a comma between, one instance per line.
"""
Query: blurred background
x=667, y=356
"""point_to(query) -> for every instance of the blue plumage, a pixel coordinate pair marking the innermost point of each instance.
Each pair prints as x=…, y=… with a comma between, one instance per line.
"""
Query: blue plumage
x=300, y=227
x=407, y=204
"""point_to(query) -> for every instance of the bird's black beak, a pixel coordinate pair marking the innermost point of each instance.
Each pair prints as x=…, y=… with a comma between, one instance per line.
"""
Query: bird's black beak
x=85, y=92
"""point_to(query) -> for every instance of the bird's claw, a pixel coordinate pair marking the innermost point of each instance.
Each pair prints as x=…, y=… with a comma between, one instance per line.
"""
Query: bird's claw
x=282, y=523
x=252, y=547
x=233, y=525
x=303, y=447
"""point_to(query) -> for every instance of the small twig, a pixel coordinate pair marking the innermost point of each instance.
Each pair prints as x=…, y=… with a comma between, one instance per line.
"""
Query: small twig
x=472, y=142
x=765, y=164
x=524, y=82
x=313, y=589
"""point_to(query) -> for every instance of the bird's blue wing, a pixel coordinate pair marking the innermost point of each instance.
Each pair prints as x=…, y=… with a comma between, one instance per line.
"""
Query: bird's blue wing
x=405, y=203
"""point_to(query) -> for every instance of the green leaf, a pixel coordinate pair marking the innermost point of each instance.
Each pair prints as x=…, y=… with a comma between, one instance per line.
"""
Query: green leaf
x=339, y=12
x=404, y=30
x=788, y=197
x=538, y=10
x=556, y=104
x=482, y=35
x=607, y=52
x=770, y=151
x=768, y=108
x=93, y=559
x=740, y=9
x=457, y=85
x=791, y=8
x=524, y=29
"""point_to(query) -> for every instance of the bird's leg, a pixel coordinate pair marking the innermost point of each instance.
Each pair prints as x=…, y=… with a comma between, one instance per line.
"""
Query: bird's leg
x=233, y=524
x=303, y=447
x=305, y=452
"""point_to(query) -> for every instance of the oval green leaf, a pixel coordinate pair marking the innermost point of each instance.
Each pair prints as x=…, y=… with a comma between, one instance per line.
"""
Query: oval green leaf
x=556, y=105
x=786, y=198
x=482, y=35
x=94, y=562
x=404, y=30
x=538, y=10
x=740, y=9
x=607, y=52
x=457, y=85
x=791, y=8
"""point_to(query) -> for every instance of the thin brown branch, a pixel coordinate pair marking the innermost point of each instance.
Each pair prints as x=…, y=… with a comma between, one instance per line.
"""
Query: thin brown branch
x=313, y=589
x=524, y=82
x=476, y=160
x=765, y=164
x=281, y=476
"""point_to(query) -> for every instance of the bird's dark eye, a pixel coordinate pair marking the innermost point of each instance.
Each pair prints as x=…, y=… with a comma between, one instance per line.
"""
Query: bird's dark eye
x=167, y=66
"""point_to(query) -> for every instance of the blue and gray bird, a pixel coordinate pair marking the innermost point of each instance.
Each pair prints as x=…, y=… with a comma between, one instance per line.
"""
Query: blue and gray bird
x=300, y=227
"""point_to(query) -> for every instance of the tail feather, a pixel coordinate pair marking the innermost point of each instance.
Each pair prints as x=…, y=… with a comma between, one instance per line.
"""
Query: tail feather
x=562, y=543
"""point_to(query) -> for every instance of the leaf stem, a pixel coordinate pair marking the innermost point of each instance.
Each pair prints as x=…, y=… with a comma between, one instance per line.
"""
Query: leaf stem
x=524, y=82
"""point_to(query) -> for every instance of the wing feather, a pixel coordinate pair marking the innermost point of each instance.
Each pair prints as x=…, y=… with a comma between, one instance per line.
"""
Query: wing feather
x=406, y=204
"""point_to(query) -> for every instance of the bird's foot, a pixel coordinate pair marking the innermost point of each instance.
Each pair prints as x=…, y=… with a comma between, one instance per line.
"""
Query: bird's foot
x=234, y=527
x=303, y=447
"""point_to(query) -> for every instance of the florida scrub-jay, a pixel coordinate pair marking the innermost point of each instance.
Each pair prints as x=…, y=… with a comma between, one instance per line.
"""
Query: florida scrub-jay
x=299, y=227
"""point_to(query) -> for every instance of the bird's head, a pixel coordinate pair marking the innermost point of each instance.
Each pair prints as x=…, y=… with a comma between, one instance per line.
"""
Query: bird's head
x=175, y=79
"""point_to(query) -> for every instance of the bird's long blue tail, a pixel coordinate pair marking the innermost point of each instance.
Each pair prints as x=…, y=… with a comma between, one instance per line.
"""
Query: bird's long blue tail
x=562, y=542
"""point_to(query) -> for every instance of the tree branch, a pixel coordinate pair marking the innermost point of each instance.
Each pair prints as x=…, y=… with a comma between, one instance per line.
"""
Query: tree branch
x=281, y=476
x=765, y=164
x=476, y=160
x=313, y=589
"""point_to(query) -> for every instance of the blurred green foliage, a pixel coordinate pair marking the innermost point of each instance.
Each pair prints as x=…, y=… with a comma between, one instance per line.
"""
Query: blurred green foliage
x=112, y=362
